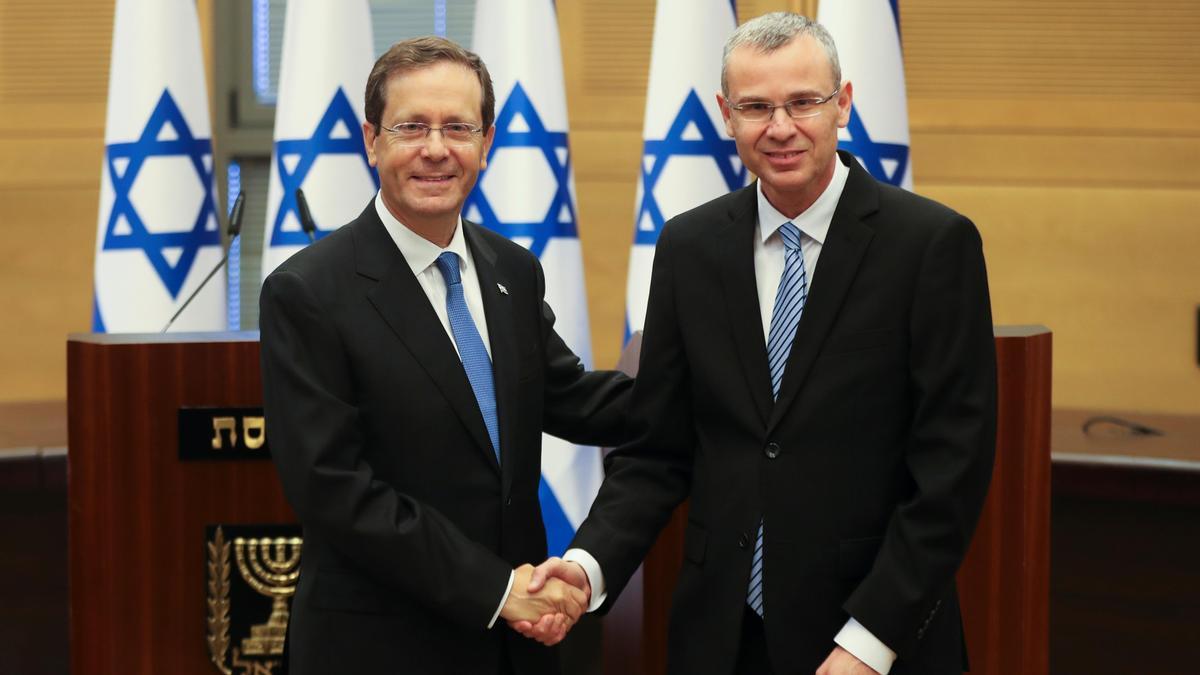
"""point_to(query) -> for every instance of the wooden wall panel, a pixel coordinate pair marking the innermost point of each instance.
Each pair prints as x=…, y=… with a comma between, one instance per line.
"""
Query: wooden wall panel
x=53, y=82
x=1027, y=49
x=1112, y=270
x=50, y=50
x=47, y=235
x=1070, y=133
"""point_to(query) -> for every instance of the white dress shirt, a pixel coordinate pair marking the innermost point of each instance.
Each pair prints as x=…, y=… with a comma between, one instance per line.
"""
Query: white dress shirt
x=421, y=256
x=813, y=224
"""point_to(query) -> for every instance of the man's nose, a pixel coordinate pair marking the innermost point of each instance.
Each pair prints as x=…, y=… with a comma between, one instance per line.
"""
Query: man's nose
x=435, y=145
x=780, y=122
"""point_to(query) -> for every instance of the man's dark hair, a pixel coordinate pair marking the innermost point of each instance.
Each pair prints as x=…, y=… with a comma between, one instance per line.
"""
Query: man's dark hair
x=409, y=55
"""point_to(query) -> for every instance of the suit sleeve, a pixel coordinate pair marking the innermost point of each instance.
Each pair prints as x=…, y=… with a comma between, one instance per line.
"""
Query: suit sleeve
x=313, y=421
x=647, y=478
x=582, y=407
x=951, y=446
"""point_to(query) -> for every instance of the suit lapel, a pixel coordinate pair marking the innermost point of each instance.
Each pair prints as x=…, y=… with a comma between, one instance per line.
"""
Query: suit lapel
x=844, y=247
x=735, y=253
x=497, y=306
x=403, y=305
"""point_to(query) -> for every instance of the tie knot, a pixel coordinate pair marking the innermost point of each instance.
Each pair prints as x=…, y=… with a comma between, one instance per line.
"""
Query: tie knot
x=790, y=234
x=447, y=264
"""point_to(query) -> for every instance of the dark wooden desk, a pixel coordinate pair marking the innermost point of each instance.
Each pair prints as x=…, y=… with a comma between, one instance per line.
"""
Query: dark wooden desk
x=1110, y=462
x=33, y=537
x=1125, y=552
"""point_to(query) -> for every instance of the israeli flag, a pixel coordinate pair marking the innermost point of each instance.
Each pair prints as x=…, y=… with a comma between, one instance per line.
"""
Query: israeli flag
x=867, y=33
x=326, y=58
x=157, y=235
x=686, y=158
x=527, y=193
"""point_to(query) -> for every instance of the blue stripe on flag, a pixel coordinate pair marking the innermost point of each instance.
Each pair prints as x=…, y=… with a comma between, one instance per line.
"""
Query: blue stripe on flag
x=559, y=532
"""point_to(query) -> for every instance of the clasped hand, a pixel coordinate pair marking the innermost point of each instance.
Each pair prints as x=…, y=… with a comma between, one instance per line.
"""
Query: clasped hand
x=546, y=601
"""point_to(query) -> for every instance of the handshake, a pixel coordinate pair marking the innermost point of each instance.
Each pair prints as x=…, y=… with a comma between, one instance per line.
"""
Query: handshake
x=545, y=601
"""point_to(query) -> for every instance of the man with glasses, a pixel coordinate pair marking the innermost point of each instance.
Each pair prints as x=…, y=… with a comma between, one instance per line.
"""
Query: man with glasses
x=818, y=376
x=410, y=367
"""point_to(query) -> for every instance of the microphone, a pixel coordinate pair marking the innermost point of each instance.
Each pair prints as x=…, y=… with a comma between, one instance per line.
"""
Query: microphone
x=234, y=229
x=306, y=219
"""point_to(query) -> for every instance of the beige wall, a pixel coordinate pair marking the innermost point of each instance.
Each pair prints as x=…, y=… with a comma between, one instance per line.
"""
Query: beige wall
x=1071, y=137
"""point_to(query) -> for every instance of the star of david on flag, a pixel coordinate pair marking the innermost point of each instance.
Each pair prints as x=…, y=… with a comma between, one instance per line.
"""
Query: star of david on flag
x=336, y=134
x=887, y=162
x=867, y=34
x=326, y=57
x=171, y=253
x=687, y=159
x=518, y=125
x=692, y=134
x=157, y=231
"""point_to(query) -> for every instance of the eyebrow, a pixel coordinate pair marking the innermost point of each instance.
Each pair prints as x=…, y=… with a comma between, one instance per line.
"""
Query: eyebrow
x=804, y=93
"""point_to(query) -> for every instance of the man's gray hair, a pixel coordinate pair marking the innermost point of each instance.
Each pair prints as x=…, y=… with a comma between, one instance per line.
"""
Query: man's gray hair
x=777, y=29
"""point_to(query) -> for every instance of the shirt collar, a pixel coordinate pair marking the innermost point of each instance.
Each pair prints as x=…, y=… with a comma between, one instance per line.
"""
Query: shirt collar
x=418, y=251
x=815, y=220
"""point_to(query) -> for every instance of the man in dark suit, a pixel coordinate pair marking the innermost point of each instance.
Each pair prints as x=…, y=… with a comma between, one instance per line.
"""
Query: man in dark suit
x=410, y=367
x=818, y=376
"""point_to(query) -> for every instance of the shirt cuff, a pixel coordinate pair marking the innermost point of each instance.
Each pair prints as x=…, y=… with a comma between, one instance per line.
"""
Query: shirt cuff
x=512, y=576
x=595, y=577
x=856, y=639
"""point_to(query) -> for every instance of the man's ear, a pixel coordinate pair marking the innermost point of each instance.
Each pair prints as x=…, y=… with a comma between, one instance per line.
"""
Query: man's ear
x=488, y=137
x=370, y=133
x=726, y=114
x=845, y=98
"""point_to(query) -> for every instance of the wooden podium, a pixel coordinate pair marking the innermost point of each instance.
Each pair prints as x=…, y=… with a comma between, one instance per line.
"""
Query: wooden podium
x=138, y=513
x=1004, y=583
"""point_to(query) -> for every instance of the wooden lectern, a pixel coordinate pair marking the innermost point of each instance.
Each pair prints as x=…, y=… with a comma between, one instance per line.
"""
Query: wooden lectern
x=1004, y=583
x=138, y=513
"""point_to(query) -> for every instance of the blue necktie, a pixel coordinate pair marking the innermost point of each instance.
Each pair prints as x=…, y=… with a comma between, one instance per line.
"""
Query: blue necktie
x=789, y=303
x=470, y=347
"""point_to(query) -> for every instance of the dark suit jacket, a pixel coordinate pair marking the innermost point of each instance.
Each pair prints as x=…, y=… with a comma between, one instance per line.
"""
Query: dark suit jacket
x=871, y=468
x=411, y=528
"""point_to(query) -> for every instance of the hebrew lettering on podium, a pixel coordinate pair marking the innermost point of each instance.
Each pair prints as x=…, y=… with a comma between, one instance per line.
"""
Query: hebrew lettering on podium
x=254, y=432
x=220, y=424
x=222, y=434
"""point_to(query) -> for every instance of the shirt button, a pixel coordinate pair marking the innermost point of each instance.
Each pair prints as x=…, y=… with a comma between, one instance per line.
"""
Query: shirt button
x=772, y=450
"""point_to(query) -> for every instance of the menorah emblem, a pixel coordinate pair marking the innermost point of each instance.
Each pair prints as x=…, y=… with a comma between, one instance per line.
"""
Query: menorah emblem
x=271, y=567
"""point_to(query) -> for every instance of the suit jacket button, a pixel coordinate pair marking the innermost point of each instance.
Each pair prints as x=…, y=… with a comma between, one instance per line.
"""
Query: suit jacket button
x=772, y=450
x=744, y=541
x=508, y=502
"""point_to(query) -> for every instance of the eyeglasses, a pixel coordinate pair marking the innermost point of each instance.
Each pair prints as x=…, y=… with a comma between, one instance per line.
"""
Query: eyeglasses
x=417, y=133
x=797, y=108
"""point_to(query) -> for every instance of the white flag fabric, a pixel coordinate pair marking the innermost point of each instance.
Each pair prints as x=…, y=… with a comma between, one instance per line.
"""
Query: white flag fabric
x=527, y=193
x=687, y=159
x=867, y=33
x=157, y=235
x=326, y=57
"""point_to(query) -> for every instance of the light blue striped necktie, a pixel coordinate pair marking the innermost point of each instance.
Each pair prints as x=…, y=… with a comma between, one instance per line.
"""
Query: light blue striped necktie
x=789, y=303
x=471, y=350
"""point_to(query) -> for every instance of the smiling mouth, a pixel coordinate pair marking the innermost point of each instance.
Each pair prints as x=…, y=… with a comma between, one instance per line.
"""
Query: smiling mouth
x=433, y=179
x=784, y=154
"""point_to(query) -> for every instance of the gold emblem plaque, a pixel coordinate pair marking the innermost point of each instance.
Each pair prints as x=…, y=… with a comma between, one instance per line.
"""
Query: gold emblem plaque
x=251, y=576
